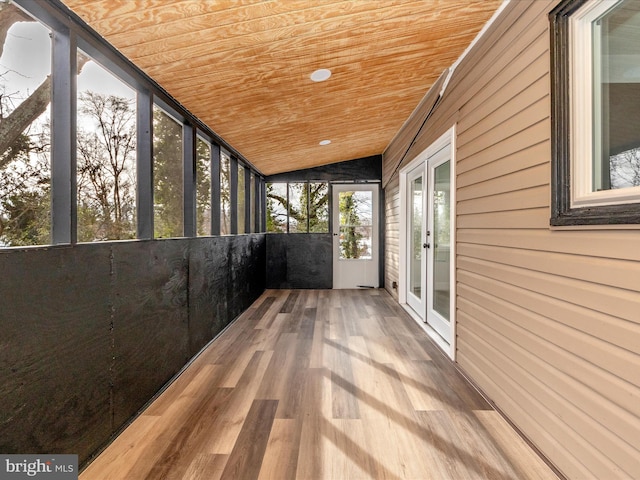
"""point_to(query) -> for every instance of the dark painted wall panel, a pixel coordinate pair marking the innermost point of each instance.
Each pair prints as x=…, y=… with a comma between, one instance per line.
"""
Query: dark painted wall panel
x=277, y=254
x=90, y=333
x=204, y=292
x=151, y=322
x=368, y=168
x=54, y=350
x=299, y=260
x=248, y=267
x=223, y=273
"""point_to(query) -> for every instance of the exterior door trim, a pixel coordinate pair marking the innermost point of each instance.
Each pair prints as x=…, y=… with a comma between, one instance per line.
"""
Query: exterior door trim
x=370, y=267
x=447, y=138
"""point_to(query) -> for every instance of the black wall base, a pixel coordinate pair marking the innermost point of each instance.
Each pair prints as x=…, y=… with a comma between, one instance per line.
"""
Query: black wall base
x=299, y=260
x=91, y=332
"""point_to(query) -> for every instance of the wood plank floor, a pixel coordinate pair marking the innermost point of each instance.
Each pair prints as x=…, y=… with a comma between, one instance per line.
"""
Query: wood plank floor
x=320, y=384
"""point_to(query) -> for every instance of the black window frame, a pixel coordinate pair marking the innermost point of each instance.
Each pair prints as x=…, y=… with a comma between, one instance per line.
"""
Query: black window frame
x=307, y=184
x=69, y=33
x=562, y=213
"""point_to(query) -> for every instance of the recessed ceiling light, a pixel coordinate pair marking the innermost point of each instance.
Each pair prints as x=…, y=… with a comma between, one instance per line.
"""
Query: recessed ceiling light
x=321, y=75
x=325, y=142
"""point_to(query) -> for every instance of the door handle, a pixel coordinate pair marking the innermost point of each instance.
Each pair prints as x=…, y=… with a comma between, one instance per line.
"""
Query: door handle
x=426, y=245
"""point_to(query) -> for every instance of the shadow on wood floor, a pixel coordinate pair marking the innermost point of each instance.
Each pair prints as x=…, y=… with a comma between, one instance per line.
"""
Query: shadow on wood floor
x=320, y=384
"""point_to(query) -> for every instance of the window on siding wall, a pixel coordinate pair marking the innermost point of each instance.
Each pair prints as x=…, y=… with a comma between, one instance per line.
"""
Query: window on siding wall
x=298, y=207
x=596, y=106
x=106, y=154
x=167, y=176
x=25, y=118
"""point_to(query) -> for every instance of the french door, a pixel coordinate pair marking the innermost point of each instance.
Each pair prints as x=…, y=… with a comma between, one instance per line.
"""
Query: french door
x=438, y=241
x=416, y=240
x=429, y=232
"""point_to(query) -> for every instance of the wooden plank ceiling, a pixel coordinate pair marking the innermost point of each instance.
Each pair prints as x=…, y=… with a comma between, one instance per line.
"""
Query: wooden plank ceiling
x=243, y=66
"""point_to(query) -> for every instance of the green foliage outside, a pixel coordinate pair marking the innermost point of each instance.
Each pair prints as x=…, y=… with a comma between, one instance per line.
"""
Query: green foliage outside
x=203, y=187
x=351, y=236
x=25, y=192
x=106, y=177
x=106, y=168
x=276, y=209
x=167, y=176
x=241, y=200
x=318, y=207
x=225, y=194
x=304, y=197
x=24, y=148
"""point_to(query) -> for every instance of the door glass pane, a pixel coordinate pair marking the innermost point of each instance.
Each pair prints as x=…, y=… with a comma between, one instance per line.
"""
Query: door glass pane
x=356, y=222
x=415, y=252
x=616, y=86
x=441, y=239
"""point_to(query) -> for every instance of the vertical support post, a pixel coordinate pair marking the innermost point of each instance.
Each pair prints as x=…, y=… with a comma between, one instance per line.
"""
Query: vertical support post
x=64, y=218
x=215, y=190
x=233, y=193
x=144, y=170
x=189, y=179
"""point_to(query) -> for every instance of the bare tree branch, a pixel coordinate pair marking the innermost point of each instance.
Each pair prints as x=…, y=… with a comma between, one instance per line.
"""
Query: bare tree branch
x=26, y=113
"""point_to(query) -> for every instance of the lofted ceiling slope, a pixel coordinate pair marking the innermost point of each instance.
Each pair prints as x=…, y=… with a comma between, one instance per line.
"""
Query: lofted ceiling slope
x=243, y=66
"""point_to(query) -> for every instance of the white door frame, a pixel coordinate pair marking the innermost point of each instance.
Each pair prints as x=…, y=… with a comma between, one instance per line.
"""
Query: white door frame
x=448, y=138
x=361, y=269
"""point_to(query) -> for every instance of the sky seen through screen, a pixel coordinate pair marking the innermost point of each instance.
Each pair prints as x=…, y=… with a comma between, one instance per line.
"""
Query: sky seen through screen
x=27, y=50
